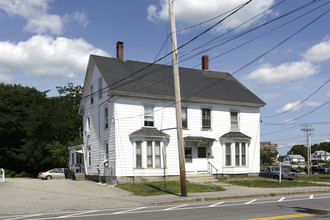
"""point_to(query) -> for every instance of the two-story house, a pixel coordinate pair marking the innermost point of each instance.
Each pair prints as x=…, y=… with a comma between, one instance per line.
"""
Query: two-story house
x=129, y=119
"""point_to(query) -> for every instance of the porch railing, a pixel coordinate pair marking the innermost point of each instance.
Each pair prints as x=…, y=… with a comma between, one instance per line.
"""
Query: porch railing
x=211, y=169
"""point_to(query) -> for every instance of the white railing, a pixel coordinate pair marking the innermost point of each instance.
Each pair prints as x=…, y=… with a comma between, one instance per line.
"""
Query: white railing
x=2, y=172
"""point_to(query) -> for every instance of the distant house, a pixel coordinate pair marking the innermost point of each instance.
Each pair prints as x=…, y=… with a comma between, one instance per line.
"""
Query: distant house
x=320, y=155
x=269, y=147
x=129, y=120
x=294, y=158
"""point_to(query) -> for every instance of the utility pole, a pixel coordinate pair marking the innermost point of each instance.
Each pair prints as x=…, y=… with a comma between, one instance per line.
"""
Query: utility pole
x=308, y=132
x=178, y=102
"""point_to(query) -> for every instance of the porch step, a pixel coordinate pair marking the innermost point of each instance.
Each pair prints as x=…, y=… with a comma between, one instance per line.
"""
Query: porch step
x=200, y=178
x=80, y=176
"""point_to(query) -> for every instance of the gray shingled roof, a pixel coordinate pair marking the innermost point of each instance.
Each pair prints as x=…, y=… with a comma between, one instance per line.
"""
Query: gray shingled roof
x=198, y=138
x=157, y=81
x=147, y=132
x=235, y=135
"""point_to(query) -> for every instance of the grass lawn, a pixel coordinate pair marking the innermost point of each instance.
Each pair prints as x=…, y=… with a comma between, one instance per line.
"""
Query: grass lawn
x=315, y=177
x=268, y=183
x=172, y=187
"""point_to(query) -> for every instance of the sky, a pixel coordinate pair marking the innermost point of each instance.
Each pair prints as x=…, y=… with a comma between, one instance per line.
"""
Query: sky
x=279, y=49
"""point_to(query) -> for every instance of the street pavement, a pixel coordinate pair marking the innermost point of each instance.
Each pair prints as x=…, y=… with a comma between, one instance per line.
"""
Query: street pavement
x=25, y=196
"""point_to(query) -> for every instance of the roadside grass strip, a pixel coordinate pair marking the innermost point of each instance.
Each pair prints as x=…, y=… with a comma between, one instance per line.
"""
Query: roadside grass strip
x=268, y=183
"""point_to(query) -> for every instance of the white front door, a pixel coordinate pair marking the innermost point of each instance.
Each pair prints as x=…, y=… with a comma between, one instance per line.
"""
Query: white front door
x=202, y=159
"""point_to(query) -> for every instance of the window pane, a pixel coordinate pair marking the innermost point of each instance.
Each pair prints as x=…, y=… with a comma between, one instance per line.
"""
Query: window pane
x=234, y=120
x=148, y=115
x=106, y=151
x=237, y=162
x=106, y=118
x=206, y=118
x=92, y=94
x=157, y=154
x=228, y=154
x=243, y=154
x=138, y=153
x=149, y=153
x=202, y=152
x=188, y=154
x=184, y=117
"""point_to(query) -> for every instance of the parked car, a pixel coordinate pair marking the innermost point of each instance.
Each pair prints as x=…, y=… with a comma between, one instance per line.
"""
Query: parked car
x=319, y=169
x=56, y=173
x=274, y=172
x=295, y=170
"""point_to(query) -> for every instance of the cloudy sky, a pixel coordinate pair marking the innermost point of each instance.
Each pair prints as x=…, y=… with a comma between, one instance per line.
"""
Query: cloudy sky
x=278, y=49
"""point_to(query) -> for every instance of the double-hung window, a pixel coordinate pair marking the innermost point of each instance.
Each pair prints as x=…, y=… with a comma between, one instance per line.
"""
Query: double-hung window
x=188, y=154
x=148, y=116
x=228, y=154
x=106, y=150
x=184, y=117
x=206, y=118
x=237, y=154
x=89, y=156
x=92, y=94
x=234, y=120
x=100, y=88
x=106, y=118
x=148, y=154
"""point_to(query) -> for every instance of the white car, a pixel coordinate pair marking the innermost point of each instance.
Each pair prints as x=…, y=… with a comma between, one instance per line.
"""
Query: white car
x=56, y=173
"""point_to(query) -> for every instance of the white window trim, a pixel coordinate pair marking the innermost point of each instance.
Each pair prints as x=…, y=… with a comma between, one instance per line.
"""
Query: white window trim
x=144, y=153
x=238, y=120
x=233, y=154
x=211, y=118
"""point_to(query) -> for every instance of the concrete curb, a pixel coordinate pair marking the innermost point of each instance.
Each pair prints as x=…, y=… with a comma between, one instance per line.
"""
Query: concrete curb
x=213, y=198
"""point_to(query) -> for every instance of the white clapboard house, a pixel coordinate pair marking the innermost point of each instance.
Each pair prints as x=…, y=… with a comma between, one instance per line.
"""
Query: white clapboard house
x=129, y=121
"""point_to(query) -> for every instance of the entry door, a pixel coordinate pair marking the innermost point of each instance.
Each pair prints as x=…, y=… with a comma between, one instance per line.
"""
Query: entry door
x=202, y=159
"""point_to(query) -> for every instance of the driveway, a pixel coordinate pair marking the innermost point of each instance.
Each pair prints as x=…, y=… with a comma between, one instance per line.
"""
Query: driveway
x=21, y=195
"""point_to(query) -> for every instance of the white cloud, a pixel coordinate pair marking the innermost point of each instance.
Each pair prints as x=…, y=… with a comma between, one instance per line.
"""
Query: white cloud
x=36, y=15
x=195, y=11
x=296, y=106
x=284, y=73
x=319, y=52
x=44, y=56
x=38, y=20
x=5, y=77
x=328, y=94
x=290, y=106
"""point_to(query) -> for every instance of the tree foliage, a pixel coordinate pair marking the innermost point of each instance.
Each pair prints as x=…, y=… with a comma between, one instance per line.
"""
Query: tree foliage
x=299, y=150
x=267, y=157
x=36, y=130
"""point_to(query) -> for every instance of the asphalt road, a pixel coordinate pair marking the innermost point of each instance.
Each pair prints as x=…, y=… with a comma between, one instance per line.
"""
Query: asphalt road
x=292, y=207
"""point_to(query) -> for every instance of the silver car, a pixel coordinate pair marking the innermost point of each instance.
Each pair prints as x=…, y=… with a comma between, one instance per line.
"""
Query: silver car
x=274, y=172
x=56, y=173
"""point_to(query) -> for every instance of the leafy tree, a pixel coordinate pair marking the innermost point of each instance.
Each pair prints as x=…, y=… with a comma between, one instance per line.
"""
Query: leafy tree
x=267, y=157
x=299, y=150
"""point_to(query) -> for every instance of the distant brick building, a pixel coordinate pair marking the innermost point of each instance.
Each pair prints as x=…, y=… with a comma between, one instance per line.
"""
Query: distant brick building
x=268, y=146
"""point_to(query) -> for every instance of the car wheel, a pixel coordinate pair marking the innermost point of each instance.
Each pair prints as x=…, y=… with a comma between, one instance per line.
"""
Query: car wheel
x=276, y=177
x=48, y=177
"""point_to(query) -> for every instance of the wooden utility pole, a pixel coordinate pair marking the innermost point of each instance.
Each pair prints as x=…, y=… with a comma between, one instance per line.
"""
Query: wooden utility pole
x=178, y=102
x=308, y=132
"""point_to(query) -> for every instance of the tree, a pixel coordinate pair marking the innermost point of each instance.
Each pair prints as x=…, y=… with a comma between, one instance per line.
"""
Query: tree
x=299, y=150
x=267, y=157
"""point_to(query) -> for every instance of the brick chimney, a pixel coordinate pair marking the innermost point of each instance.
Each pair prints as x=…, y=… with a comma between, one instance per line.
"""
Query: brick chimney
x=120, y=50
x=205, y=62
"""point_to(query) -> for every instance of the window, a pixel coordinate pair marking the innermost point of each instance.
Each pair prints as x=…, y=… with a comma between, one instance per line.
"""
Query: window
x=201, y=152
x=106, y=118
x=188, y=154
x=234, y=120
x=88, y=126
x=100, y=88
x=92, y=94
x=138, y=154
x=89, y=156
x=243, y=154
x=184, y=117
x=148, y=115
x=157, y=154
x=206, y=118
x=149, y=154
x=106, y=150
x=237, y=154
x=228, y=154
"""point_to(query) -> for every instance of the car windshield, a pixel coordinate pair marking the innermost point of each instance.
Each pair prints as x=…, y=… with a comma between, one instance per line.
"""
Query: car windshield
x=275, y=169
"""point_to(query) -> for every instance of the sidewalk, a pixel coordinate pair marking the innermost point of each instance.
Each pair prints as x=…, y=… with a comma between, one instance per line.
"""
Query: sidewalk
x=24, y=196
